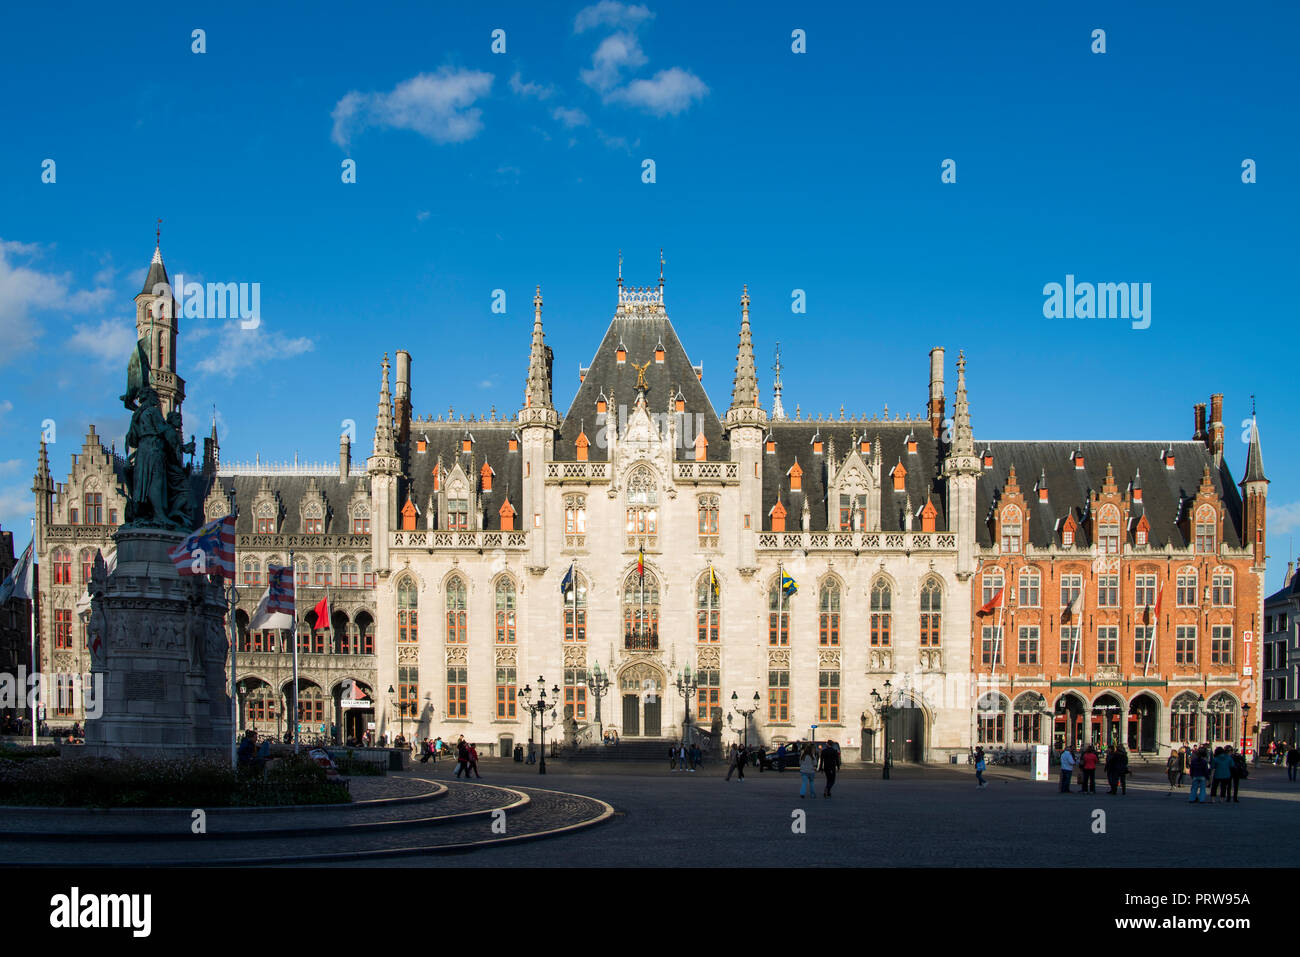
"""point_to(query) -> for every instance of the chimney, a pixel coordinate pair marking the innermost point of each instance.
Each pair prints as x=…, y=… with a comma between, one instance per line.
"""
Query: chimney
x=345, y=457
x=1216, y=427
x=402, y=395
x=1198, y=413
x=935, y=407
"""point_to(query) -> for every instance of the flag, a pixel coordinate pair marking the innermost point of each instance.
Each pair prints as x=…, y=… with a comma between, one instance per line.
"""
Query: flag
x=322, y=613
x=216, y=540
x=110, y=566
x=994, y=602
x=568, y=580
x=1152, y=617
x=276, y=609
x=19, y=582
x=1075, y=607
x=713, y=582
x=640, y=562
x=788, y=585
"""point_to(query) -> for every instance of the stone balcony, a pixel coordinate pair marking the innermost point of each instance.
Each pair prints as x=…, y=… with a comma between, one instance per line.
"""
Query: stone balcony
x=858, y=541
x=480, y=539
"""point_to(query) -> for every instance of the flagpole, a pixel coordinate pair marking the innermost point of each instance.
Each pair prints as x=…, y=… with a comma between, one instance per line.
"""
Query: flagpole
x=1155, y=628
x=780, y=601
x=293, y=572
x=1074, y=637
x=997, y=637
x=232, y=596
x=31, y=604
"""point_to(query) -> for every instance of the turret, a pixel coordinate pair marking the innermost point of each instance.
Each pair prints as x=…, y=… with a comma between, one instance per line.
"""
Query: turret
x=935, y=406
x=538, y=422
x=402, y=396
x=157, y=322
x=961, y=469
x=384, y=467
x=1254, y=496
x=745, y=423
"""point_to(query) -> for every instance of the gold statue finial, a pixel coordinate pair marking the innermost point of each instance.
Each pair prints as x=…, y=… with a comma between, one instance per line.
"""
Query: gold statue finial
x=640, y=374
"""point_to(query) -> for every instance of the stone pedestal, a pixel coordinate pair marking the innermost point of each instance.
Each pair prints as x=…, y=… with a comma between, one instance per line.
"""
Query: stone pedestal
x=163, y=656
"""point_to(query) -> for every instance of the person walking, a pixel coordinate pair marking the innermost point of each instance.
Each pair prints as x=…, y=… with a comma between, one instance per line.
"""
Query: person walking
x=731, y=761
x=980, y=765
x=1112, y=771
x=672, y=757
x=1222, y=763
x=807, y=771
x=1292, y=762
x=1237, y=770
x=1200, y=770
x=473, y=762
x=830, y=764
x=681, y=759
x=1068, y=762
x=1174, y=769
x=462, y=758
x=1089, y=765
x=742, y=758
x=1185, y=763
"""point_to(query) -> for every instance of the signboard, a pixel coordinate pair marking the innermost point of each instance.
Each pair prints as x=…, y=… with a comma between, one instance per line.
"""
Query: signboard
x=1040, y=762
x=1248, y=659
x=346, y=703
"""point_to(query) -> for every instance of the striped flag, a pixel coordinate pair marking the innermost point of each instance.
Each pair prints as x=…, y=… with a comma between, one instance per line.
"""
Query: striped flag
x=276, y=609
x=208, y=551
x=19, y=582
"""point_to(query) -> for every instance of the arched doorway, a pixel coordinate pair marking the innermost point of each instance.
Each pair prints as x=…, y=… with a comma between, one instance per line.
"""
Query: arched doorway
x=1107, y=715
x=642, y=686
x=1143, y=713
x=355, y=710
x=1067, y=725
x=907, y=733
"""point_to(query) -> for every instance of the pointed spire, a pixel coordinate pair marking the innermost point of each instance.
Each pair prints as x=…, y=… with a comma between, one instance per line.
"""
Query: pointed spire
x=1254, y=457
x=744, y=393
x=778, y=410
x=537, y=391
x=157, y=271
x=963, y=437
x=384, y=441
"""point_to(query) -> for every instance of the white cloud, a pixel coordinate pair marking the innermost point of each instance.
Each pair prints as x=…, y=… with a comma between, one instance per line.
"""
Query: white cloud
x=25, y=290
x=1283, y=517
x=608, y=13
x=669, y=92
x=422, y=215
x=517, y=85
x=616, y=53
x=238, y=350
x=109, y=340
x=570, y=117
x=438, y=106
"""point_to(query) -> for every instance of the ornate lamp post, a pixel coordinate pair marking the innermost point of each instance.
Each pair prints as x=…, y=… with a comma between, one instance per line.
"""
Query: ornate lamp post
x=598, y=684
x=1245, y=727
x=401, y=711
x=687, y=685
x=1218, y=707
x=538, y=710
x=885, y=707
x=745, y=713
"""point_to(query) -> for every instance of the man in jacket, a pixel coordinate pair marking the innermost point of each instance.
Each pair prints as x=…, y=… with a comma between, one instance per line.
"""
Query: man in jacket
x=1292, y=762
x=1089, y=764
x=830, y=764
x=1236, y=771
x=1067, y=769
x=1200, y=770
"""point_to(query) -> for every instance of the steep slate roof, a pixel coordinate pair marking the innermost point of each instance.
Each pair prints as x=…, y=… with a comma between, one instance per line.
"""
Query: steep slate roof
x=157, y=274
x=794, y=440
x=640, y=335
x=1068, y=488
x=1285, y=594
x=292, y=489
x=491, y=442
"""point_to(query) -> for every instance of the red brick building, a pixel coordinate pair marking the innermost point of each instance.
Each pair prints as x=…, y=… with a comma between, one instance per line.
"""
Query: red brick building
x=1118, y=593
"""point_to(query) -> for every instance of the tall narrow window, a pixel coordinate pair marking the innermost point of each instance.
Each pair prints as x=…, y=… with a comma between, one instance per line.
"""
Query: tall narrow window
x=778, y=616
x=1107, y=591
x=1144, y=651
x=642, y=509
x=1144, y=591
x=1071, y=586
x=708, y=521
x=367, y=574
x=1028, y=647
x=87, y=565
x=993, y=582
x=1070, y=649
x=348, y=573
x=62, y=567
x=1030, y=582
x=1185, y=645
x=575, y=521
x=94, y=513
x=709, y=694
x=881, y=602
x=505, y=617
x=1108, y=530
x=507, y=691
x=778, y=696
x=457, y=692
x=323, y=574
x=931, y=613
x=575, y=693
x=1222, y=585
x=1011, y=529
x=828, y=696
x=1182, y=720
x=1107, y=645
x=63, y=628
x=991, y=651
x=408, y=632
x=708, y=610
x=829, y=614
x=458, y=513
x=641, y=611
x=1205, y=537
x=1187, y=588
x=456, y=611
x=1220, y=644
x=575, y=609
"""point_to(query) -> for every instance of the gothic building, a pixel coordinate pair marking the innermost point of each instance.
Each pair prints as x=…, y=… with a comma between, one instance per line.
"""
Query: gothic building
x=707, y=561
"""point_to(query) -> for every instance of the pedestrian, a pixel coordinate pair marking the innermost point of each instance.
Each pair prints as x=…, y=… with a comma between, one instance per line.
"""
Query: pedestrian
x=672, y=757
x=742, y=758
x=1184, y=763
x=731, y=762
x=830, y=765
x=1067, y=768
x=683, y=755
x=1089, y=766
x=979, y=767
x=697, y=756
x=1222, y=763
x=1292, y=762
x=462, y=758
x=472, y=753
x=807, y=771
x=1122, y=758
x=1174, y=769
x=1236, y=771
x=1112, y=771
x=780, y=757
x=1199, y=770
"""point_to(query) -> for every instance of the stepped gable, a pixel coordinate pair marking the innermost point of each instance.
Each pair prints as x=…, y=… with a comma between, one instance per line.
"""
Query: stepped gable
x=491, y=442
x=290, y=490
x=641, y=335
x=794, y=440
x=1163, y=490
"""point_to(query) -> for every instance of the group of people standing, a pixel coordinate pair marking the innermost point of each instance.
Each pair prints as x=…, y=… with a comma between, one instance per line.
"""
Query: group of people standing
x=1224, y=769
x=684, y=757
x=466, y=754
x=1084, y=767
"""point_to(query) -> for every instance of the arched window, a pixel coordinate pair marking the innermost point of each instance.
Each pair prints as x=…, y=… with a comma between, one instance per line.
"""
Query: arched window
x=1221, y=718
x=87, y=564
x=323, y=573
x=1187, y=588
x=1108, y=530
x=367, y=574
x=641, y=611
x=778, y=615
x=1205, y=537
x=259, y=706
x=993, y=582
x=708, y=608
x=62, y=566
x=300, y=572
x=881, y=603
x=991, y=718
x=1030, y=587
x=348, y=573
x=252, y=572
x=642, y=508
x=1222, y=586
x=575, y=609
x=93, y=501
x=361, y=520
x=505, y=617
x=311, y=708
x=828, y=620
x=1182, y=720
x=575, y=521
x=456, y=611
x=408, y=604
x=931, y=613
x=314, y=519
x=708, y=521
x=1012, y=529
x=1027, y=720
x=266, y=519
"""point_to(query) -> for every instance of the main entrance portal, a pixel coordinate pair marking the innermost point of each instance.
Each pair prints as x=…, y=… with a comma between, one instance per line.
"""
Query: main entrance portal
x=642, y=688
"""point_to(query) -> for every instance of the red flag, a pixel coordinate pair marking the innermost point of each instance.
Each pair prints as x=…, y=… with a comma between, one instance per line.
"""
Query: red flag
x=322, y=613
x=994, y=602
x=1155, y=619
x=640, y=562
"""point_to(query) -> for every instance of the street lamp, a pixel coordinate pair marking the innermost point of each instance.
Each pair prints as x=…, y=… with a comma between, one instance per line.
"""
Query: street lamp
x=746, y=713
x=401, y=711
x=687, y=686
x=1245, y=726
x=885, y=707
x=538, y=710
x=598, y=684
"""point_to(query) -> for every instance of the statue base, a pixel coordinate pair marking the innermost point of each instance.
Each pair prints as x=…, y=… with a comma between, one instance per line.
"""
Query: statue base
x=164, y=657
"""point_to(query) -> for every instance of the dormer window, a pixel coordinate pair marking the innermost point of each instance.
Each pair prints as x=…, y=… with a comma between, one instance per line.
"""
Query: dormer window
x=467, y=444
x=580, y=445
x=421, y=445
x=602, y=404
x=864, y=446
x=1012, y=529
x=1078, y=460
x=507, y=514
x=485, y=476
x=659, y=352
x=778, y=517
x=1205, y=536
x=900, y=477
x=911, y=445
x=701, y=447
x=680, y=403
x=1141, y=536
x=770, y=446
x=987, y=459
x=512, y=445
x=1169, y=459
x=457, y=511
x=620, y=354
x=1108, y=530
x=795, y=474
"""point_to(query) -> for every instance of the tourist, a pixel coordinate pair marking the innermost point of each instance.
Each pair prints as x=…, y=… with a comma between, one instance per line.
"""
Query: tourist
x=681, y=759
x=980, y=764
x=1199, y=770
x=697, y=756
x=1185, y=763
x=246, y=748
x=807, y=771
x=829, y=764
x=426, y=751
x=1117, y=769
x=1067, y=768
x=1237, y=770
x=1174, y=769
x=672, y=757
x=472, y=752
x=1088, y=766
x=1222, y=766
x=462, y=758
x=1292, y=762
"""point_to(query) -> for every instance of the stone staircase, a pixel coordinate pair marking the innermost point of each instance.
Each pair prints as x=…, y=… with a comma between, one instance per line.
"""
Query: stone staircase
x=633, y=749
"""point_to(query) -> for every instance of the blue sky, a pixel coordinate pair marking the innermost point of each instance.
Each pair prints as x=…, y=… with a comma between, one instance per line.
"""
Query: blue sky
x=818, y=171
